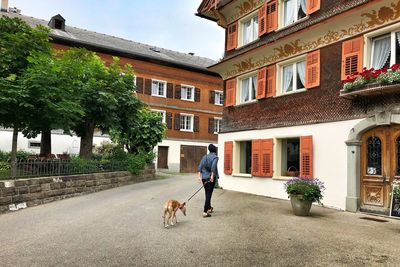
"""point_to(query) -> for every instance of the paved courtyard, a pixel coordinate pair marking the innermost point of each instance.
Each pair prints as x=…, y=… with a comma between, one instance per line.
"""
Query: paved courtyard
x=123, y=227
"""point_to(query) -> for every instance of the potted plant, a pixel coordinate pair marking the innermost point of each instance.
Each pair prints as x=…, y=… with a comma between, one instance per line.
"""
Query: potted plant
x=303, y=192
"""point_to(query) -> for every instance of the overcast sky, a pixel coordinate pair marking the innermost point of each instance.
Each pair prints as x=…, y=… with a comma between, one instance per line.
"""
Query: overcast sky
x=168, y=24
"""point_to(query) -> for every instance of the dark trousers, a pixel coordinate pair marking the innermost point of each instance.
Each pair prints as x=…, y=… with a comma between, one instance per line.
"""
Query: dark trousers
x=208, y=189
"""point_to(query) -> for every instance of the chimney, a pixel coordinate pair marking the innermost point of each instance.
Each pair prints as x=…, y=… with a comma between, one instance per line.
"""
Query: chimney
x=4, y=5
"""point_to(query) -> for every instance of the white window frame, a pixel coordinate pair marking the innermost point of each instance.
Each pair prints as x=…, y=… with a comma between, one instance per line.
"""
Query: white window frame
x=219, y=120
x=368, y=43
x=220, y=98
x=281, y=14
x=163, y=112
x=251, y=17
x=279, y=75
x=236, y=159
x=185, y=86
x=251, y=75
x=165, y=88
x=191, y=122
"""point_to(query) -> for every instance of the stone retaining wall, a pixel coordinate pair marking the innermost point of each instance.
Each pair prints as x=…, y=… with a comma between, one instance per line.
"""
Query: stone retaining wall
x=24, y=193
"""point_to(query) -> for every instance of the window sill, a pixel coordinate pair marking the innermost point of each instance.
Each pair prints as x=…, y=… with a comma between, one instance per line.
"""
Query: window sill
x=246, y=103
x=282, y=178
x=294, y=92
x=244, y=175
x=252, y=42
x=163, y=96
x=187, y=131
x=218, y=104
x=190, y=100
x=294, y=23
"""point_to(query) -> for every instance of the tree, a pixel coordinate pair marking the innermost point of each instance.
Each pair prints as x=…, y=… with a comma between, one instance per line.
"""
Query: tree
x=17, y=42
x=102, y=91
x=141, y=133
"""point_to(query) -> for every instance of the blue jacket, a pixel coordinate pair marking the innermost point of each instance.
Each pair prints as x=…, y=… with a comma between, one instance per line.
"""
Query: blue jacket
x=210, y=159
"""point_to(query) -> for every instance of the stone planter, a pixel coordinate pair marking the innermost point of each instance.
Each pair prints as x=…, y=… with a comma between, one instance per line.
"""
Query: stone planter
x=300, y=207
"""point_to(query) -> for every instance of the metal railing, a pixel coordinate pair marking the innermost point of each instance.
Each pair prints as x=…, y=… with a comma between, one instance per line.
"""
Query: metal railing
x=55, y=167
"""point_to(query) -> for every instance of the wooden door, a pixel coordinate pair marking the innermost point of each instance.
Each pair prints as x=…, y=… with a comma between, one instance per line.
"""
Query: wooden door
x=377, y=169
x=162, y=158
x=191, y=157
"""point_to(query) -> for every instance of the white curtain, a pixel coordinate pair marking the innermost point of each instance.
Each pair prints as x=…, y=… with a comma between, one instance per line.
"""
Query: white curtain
x=287, y=78
x=303, y=6
x=398, y=37
x=255, y=29
x=289, y=12
x=245, y=90
x=154, y=88
x=247, y=32
x=381, y=52
x=253, y=87
x=301, y=71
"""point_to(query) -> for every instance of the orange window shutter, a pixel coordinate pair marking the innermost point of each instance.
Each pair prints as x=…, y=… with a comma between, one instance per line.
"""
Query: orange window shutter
x=267, y=156
x=352, y=56
x=232, y=37
x=228, y=151
x=313, y=70
x=262, y=20
x=255, y=158
x=261, y=83
x=230, y=98
x=271, y=81
x=272, y=15
x=312, y=6
x=306, y=156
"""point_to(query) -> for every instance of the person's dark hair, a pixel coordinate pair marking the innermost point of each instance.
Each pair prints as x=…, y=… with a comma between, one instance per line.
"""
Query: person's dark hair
x=212, y=148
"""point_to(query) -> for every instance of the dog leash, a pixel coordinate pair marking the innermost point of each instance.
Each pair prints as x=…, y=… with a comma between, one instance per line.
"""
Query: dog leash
x=197, y=191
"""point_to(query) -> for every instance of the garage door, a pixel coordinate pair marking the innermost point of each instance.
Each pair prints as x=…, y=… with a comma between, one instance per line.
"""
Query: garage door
x=190, y=157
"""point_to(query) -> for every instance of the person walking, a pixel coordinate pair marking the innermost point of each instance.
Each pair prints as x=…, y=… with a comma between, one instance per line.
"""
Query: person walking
x=208, y=174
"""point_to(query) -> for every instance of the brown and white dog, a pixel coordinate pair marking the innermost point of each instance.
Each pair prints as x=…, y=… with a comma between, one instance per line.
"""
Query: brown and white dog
x=170, y=209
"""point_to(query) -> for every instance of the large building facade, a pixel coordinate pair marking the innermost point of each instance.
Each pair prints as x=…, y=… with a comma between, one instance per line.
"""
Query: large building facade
x=178, y=85
x=285, y=113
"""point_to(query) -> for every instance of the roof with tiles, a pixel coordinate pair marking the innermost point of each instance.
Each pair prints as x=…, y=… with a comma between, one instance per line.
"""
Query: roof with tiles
x=111, y=43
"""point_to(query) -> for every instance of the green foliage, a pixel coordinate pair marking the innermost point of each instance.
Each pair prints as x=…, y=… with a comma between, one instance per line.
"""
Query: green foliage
x=396, y=192
x=141, y=133
x=309, y=189
x=21, y=155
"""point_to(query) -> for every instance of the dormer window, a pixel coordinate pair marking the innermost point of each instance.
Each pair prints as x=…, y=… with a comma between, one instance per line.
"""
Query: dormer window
x=57, y=22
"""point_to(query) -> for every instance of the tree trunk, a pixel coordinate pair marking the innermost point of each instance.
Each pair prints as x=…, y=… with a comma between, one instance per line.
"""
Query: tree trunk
x=45, y=143
x=14, y=153
x=87, y=140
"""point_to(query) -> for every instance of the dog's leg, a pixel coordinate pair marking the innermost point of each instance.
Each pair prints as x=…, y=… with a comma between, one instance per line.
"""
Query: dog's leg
x=165, y=214
x=173, y=217
x=169, y=218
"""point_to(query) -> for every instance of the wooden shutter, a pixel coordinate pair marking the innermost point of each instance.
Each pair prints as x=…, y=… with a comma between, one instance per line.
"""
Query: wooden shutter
x=139, y=85
x=262, y=20
x=147, y=86
x=197, y=94
x=261, y=83
x=271, y=81
x=168, y=120
x=211, y=125
x=228, y=155
x=352, y=56
x=272, y=16
x=313, y=72
x=232, y=36
x=306, y=156
x=170, y=90
x=177, y=92
x=177, y=122
x=211, y=100
x=255, y=157
x=267, y=157
x=312, y=6
x=230, y=94
x=196, y=124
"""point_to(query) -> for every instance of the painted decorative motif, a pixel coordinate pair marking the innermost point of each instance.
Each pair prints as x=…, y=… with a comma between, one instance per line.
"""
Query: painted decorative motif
x=374, y=195
x=368, y=21
x=245, y=8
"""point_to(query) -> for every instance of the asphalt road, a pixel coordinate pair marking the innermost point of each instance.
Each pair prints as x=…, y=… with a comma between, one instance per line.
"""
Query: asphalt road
x=123, y=227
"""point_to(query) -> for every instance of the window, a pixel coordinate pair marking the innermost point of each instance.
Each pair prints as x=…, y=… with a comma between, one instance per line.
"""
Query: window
x=293, y=77
x=187, y=92
x=158, y=88
x=219, y=98
x=249, y=29
x=289, y=156
x=247, y=90
x=293, y=10
x=385, y=50
x=186, y=122
x=162, y=112
x=34, y=144
x=244, y=157
x=217, y=125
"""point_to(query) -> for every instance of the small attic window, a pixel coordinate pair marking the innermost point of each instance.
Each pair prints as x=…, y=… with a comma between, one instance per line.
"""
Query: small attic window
x=57, y=22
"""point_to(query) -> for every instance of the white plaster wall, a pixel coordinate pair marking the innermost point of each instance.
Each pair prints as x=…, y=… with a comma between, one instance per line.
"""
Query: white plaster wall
x=329, y=162
x=60, y=143
x=174, y=151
